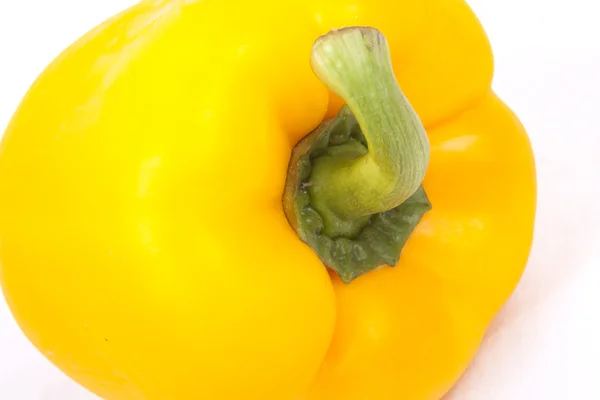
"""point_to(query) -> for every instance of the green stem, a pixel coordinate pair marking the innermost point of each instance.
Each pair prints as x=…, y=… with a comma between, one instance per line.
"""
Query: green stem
x=351, y=184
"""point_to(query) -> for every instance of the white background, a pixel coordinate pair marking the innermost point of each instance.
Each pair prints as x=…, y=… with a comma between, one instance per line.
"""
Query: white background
x=545, y=343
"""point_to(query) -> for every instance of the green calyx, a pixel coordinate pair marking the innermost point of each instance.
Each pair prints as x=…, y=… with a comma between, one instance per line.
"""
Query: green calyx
x=353, y=191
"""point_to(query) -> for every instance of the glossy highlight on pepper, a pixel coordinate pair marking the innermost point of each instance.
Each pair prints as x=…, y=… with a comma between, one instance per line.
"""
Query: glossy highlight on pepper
x=144, y=249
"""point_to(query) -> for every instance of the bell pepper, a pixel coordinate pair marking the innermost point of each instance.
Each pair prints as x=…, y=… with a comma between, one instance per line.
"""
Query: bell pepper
x=145, y=248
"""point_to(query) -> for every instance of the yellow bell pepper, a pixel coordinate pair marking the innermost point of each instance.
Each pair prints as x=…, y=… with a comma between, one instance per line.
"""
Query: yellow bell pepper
x=144, y=247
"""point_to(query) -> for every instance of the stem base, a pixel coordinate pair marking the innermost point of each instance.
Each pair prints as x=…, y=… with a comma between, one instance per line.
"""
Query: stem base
x=351, y=247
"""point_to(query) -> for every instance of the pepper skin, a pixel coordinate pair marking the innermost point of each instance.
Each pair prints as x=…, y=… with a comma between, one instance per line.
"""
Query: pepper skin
x=143, y=245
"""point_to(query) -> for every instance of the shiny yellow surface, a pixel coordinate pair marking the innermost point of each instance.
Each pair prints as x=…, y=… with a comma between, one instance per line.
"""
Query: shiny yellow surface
x=143, y=245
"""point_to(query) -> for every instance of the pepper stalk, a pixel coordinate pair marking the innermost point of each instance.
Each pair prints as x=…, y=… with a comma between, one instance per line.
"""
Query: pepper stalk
x=354, y=184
